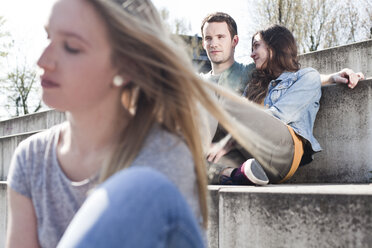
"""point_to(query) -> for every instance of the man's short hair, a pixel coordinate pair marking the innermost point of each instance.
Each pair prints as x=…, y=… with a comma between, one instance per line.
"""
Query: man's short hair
x=221, y=17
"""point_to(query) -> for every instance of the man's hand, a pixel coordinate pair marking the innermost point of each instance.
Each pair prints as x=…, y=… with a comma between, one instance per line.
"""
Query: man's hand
x=345, y=76
x=219, y=149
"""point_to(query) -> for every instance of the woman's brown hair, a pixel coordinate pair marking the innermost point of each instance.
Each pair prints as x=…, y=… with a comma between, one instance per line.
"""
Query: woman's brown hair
x=282, y=57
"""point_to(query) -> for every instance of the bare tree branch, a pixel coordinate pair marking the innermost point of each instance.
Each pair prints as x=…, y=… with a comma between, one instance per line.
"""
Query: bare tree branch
x=19, y=85
x=319, y=24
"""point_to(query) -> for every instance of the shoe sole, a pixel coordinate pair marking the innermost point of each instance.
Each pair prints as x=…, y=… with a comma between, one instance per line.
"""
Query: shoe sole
x=255, y=173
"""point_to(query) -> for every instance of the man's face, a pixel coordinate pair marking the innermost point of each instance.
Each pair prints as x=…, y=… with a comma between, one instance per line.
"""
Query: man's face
x=218, y=43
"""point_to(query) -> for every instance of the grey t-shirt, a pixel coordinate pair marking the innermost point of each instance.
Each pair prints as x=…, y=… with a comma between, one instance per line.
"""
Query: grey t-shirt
x=236, y=77
x=36, y=174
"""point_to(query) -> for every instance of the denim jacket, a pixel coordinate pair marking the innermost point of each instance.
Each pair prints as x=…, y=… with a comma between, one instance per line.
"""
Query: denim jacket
x=294, y=99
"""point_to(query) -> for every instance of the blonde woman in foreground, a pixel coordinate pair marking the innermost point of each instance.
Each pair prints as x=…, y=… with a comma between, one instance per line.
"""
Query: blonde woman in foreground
x=132, y=99
x=130, y=95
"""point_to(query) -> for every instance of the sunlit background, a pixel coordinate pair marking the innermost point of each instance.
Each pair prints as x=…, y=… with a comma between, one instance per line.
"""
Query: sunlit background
x=25, y=20
x=22, y=34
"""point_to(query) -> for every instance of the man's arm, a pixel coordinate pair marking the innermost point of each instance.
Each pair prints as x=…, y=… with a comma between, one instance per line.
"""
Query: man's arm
x=345, y=76
x=220, y=148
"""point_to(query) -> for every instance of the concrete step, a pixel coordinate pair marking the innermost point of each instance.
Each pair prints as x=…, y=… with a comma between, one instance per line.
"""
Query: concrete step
x=357, y=56
x=3, y=213
x=343, y=128
x=31, y=122
x=290, y=216
x=7, y=146
x=279, y=216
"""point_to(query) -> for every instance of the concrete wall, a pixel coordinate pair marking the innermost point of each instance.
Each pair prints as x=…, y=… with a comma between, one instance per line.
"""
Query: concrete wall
x=357, y=56
x=295, y=216
x=7, y=146
x=14, y=130
x=343, y=127
x=213, y=216
x=31, y=122
x=3, y=213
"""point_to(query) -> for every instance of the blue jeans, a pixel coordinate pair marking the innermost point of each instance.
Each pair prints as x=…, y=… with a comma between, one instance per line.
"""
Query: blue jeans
x=136, y=207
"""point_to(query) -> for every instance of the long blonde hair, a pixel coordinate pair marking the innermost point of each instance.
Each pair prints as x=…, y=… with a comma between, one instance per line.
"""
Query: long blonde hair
x=168, y=89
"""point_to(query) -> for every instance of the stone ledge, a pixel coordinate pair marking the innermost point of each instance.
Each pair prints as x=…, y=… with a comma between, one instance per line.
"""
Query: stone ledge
x=357, y=56
x=20, y=134
x=343, y=128
x=291, y=216
x=7, y=146
x=326, y=189
x=31, y=122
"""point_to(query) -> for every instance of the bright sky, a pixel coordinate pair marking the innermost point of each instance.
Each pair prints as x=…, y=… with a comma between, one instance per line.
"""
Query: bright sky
x=25, y=20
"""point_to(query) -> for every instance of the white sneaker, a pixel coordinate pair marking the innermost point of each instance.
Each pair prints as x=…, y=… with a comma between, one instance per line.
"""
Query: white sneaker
x=254, y=172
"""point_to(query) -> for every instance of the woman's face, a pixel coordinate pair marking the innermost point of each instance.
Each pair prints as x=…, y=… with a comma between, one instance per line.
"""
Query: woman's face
x=77, y=65
x=260, y=51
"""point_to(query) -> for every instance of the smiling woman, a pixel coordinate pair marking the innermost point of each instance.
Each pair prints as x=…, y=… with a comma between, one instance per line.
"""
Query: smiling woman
x=260, y=52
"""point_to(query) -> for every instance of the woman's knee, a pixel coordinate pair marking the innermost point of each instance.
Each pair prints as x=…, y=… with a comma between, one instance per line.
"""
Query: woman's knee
x=137, y=179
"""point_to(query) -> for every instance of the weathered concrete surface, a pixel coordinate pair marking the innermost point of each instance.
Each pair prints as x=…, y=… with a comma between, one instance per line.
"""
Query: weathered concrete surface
x=213, y=202
x=295, y=216
x=343, y=128
x=357, y=56
x=3, y=213
x=7, y=146
x=31, y=122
